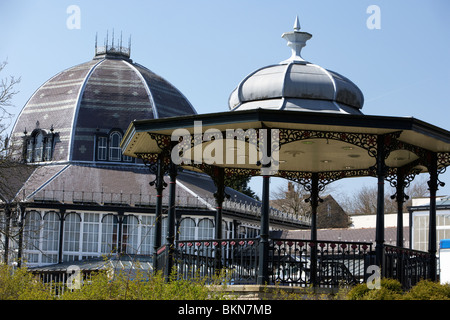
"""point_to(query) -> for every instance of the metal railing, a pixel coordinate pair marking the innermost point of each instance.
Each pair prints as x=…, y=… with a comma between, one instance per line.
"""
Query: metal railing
x=319, y=263
x=291, y=262
x=238, y=258
x=249, y=208
x=406, y=265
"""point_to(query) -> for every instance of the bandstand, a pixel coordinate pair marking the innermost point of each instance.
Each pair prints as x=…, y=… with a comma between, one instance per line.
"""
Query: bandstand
x=300, y=122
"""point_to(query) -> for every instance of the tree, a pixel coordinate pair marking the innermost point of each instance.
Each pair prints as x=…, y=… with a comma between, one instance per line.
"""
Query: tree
x=241, y=185
x=7, y=92
x=292, y=200
x=364, y=201
x=9, y=169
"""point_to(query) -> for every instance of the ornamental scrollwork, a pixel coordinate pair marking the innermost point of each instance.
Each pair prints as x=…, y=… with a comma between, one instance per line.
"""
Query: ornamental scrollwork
x=401, y=178
x=163, y=141
x=362, y=140
x=443, y=159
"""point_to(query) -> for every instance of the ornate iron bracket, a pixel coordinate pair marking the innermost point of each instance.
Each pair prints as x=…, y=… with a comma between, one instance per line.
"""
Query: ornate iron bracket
x=400, y=179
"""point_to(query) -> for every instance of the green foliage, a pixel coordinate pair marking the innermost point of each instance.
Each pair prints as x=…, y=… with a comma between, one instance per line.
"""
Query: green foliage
x=242, y=186
x=392, y=290
x=428, y=290
x=19, y=284
x=146, y=286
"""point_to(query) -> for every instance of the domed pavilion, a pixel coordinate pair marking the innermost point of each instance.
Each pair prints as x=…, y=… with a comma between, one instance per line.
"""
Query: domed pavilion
x=76, y=197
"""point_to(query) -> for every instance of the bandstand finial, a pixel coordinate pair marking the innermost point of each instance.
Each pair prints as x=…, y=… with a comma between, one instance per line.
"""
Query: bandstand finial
x=296, y=24
x=296, y=40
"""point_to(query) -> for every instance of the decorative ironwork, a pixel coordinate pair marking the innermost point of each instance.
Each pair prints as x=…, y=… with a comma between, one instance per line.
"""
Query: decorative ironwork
x=290, y=260
x=163, y=141
x=406, y=265
x=296, y=176
x=336, y=262
x=362, y=140
x=407, y=175
x=443, y=159
x=237, y=257
x=325, y=178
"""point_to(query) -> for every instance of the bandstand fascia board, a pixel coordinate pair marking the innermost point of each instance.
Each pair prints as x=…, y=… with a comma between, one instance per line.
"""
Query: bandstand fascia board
x=324, y=157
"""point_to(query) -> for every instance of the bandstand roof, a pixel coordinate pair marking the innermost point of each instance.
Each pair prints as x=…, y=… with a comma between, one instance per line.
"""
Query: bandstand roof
x=309, y=141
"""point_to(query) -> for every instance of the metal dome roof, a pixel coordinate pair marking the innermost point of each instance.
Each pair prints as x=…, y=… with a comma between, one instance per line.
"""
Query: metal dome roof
x=296, y=84
x=105, y=93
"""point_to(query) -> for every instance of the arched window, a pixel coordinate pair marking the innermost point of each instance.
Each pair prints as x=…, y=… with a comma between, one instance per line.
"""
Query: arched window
x=205, y=229
x=130, y=239
x=109, y=234
x=38, y=147
x=71, y=245
x=31, y=235
x=50, y=237
x=115, y=153
x=187, y=229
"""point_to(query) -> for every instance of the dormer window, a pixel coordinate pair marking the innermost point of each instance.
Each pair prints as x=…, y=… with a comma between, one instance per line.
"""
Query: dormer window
x=38, y=146
x=108, y=147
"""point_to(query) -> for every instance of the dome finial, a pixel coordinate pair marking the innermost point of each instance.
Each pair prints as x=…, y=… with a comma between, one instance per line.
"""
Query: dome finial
x=296, y=41
x=296, y=24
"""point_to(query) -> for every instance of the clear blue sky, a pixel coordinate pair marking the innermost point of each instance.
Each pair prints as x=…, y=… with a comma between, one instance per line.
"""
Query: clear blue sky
x=206, y=47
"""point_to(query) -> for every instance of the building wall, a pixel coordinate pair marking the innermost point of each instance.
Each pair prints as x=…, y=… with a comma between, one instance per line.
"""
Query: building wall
x=420, y=228
x=88, y=234
x=369, y=221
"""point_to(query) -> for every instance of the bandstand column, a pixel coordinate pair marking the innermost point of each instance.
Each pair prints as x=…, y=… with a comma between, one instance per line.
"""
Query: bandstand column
x=379, y=228
x=400, y=201
x=170, y=239
x=263, y=268
x=314, y=204
x=432, y=187
x=159, y=183
x=62, y=218
x=220, y=197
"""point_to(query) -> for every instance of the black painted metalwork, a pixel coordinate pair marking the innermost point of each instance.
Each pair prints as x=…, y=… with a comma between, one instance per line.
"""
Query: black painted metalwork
x=406, y=265
x=365, y=141
x=160, y=186
x=378, y=147
x=263, y=272
x=337, y=262
x=171, y=215
x=400, y=179
x=433, y=185
x=383, y=147
x=199, y=258
x=289, y=261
